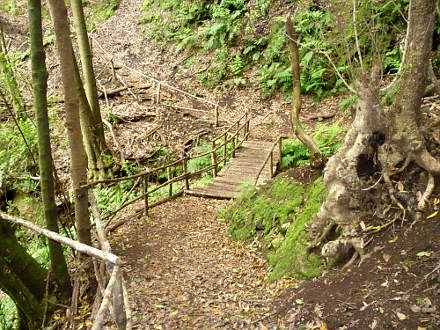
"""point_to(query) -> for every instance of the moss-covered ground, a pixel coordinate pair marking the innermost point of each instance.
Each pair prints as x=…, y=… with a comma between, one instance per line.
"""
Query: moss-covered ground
x=277, y=215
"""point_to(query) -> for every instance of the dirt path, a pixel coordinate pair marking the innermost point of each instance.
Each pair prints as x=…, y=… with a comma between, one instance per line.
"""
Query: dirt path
x=184, y=270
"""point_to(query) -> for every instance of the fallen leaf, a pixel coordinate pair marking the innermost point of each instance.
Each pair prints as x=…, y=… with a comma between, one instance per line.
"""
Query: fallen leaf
x=401, y=316
x=432, y=215
x=299, y=301
x=415, y=308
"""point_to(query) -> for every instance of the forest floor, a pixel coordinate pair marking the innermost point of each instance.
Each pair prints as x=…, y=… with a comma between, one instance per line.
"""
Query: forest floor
x=183, y=270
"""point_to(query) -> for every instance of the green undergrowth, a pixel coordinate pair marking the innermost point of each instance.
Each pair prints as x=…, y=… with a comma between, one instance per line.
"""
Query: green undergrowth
x=328, y=138
x=242, y=36
x=100, y=11
x=277, y=215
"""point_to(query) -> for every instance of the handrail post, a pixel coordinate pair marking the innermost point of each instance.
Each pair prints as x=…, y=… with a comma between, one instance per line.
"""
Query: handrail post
x=216, y=116
x=280, y=149
x=145, y=194
x=225, y=148
x=185, y=171
x=233, y=147
x=214, y=160
x=271, y=164
x=246, y=127
x=170, y=186
x=158, y=93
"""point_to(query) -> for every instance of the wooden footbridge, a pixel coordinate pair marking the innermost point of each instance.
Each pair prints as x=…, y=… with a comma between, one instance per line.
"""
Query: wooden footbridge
x=233, y=161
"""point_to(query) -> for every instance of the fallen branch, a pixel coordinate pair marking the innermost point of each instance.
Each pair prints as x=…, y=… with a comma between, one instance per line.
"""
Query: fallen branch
x=83, y=248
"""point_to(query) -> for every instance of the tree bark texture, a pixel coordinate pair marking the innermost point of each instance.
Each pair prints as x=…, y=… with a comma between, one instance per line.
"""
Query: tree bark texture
x=406, y=136
x=317, y=158
x=39, y=85
x=78, y=165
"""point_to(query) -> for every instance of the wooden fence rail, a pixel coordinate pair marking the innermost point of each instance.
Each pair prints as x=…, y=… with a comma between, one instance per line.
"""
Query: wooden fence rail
x=270, y=158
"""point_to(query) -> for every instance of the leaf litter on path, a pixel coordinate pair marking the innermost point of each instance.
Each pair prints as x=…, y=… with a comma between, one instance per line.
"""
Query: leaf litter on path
x=183, y=270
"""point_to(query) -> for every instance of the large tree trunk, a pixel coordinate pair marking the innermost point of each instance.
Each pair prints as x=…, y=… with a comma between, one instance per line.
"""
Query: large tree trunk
x=78, y=164
x=39, y=85
x=378, y=141
x=21, y=277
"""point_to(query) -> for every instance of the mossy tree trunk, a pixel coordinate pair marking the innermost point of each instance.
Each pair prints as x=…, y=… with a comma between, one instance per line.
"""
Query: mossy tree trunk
x=21, y=278
x=39, y=85
x=78, y=164
x=383, y=140
x=87, y=68
x=91, y=120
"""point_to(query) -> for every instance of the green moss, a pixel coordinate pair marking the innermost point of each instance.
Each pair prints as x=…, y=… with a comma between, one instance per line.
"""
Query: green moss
x=277, y=215
x=291, y=258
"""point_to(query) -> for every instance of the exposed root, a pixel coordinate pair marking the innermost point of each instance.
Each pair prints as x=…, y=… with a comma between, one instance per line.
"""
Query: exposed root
x=391, y=192
x=425, y=197
x=322, y=238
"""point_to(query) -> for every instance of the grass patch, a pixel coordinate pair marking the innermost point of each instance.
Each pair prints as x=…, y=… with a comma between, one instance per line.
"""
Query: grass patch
x=277, y=215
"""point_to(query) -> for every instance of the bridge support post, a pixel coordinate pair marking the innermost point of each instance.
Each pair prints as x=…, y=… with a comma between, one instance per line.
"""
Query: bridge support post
x=216, y=116
x=271, y=164
x=185, y=171
x=225, y=148
x=214, y=160
x=170, y=186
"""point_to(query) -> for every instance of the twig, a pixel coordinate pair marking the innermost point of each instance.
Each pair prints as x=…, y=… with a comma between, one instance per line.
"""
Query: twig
x=374, y=185
x=126, y=86
x=11, y=113
x=356, y=38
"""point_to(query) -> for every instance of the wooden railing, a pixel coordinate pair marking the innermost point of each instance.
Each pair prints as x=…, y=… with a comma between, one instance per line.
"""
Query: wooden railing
x=270, y=158
x=223, y=147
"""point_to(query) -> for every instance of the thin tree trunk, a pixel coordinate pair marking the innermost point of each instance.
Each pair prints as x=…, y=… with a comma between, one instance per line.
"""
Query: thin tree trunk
x=92, y=143
x=11, y=81
x=87, y=68
x=39, y=82
x=317, y=158
x=78, y=155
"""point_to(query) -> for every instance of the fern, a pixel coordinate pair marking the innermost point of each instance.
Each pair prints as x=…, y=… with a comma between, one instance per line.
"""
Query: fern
x=296, y=154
